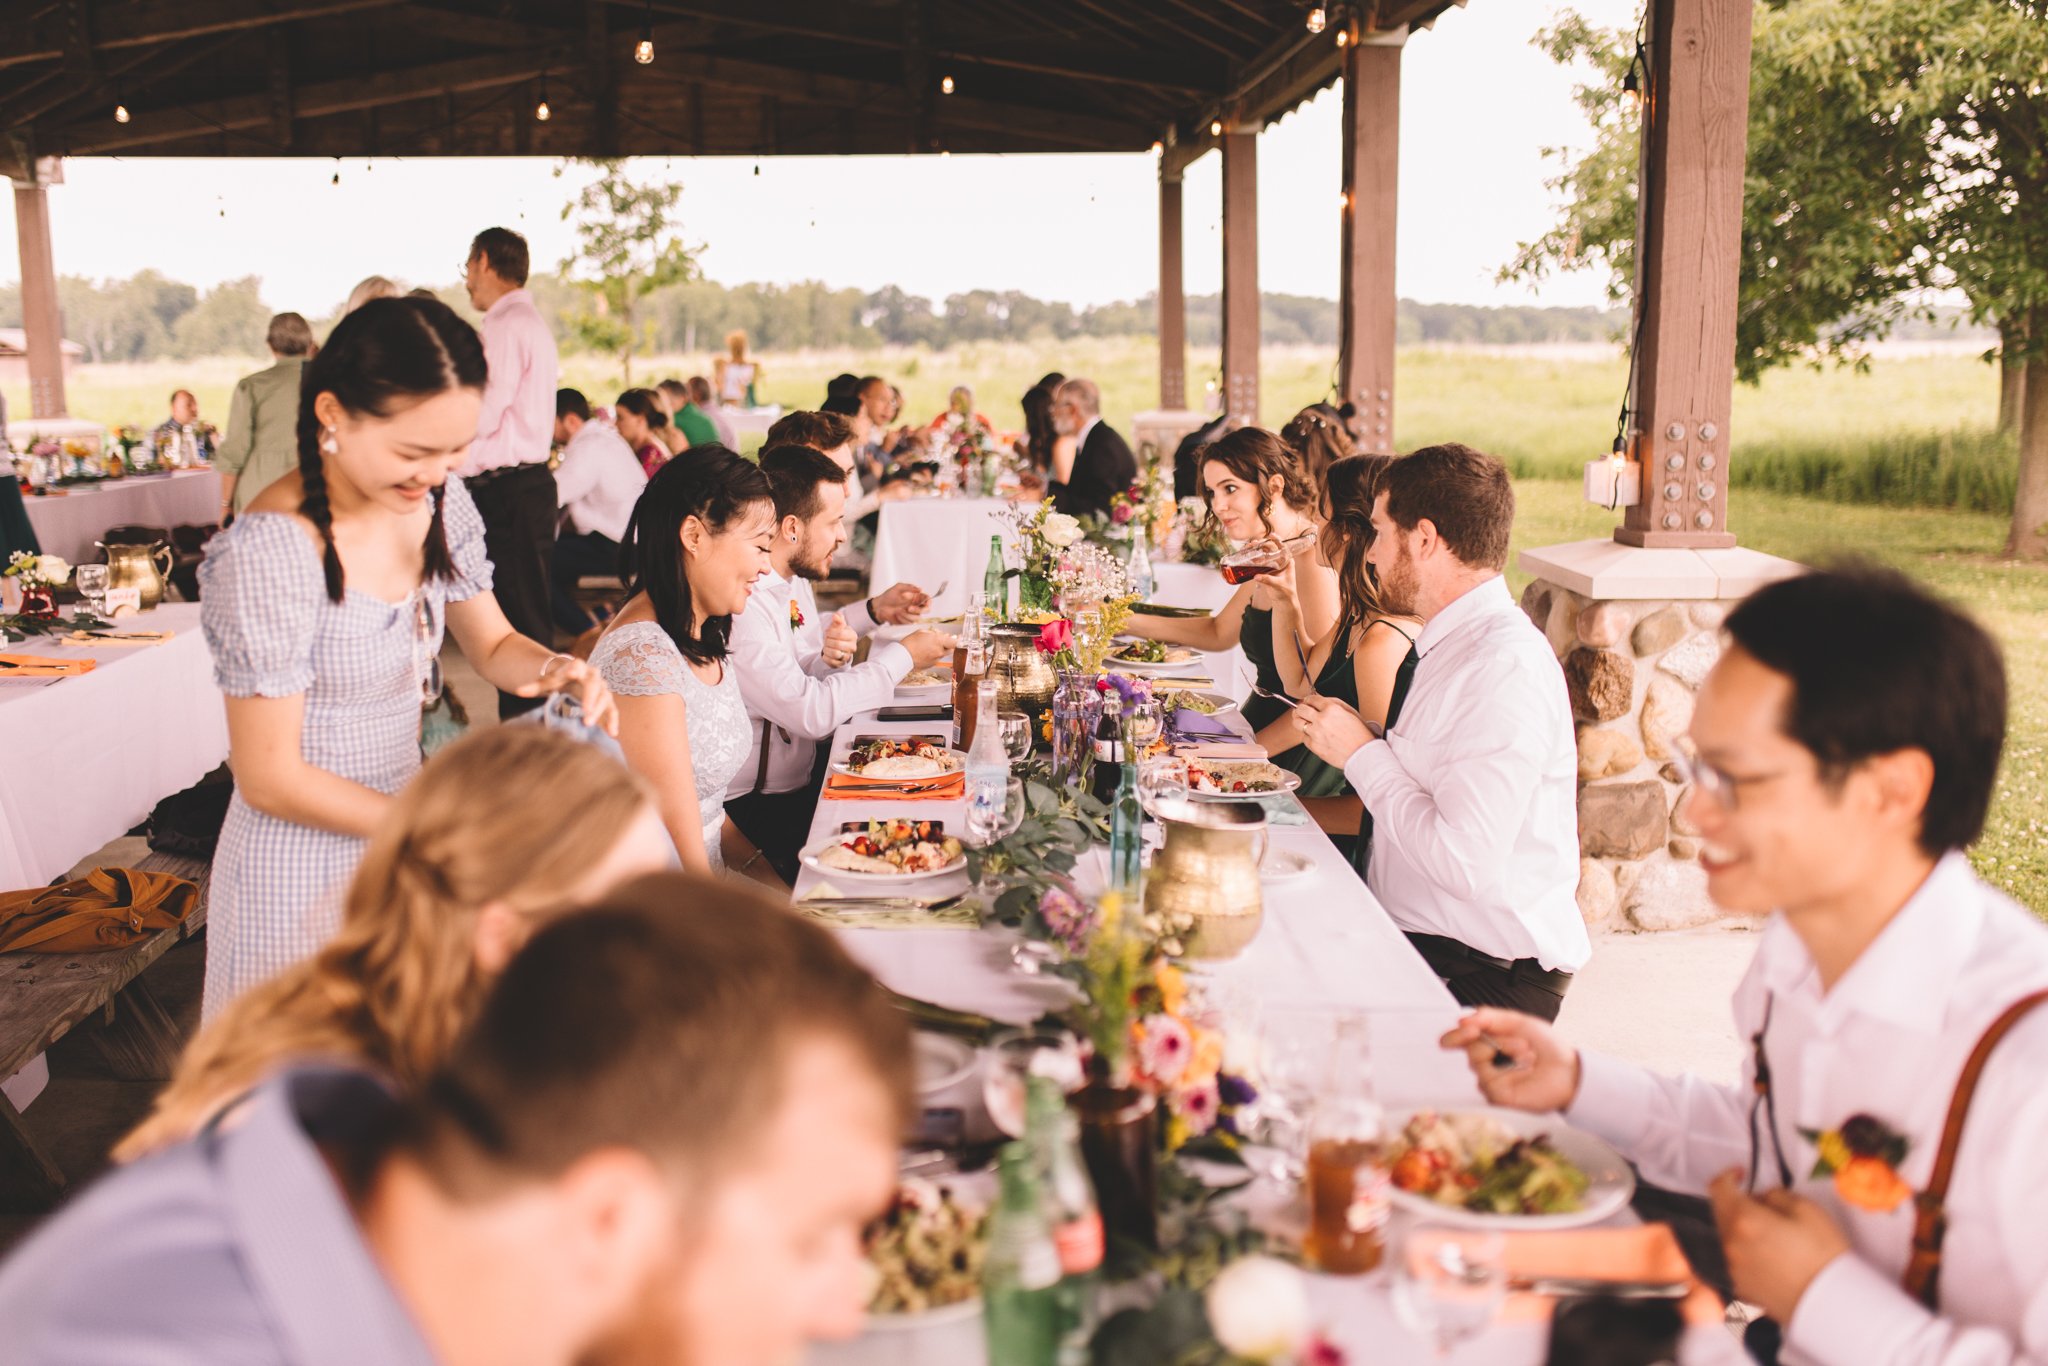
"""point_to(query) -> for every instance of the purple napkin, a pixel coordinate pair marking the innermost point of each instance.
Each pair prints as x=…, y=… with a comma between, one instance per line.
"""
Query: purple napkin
x=1194, y=725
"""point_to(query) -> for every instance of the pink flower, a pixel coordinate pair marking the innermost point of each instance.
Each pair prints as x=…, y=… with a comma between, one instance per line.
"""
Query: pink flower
x=1164, y=1049
x=1120, y=514
x=1070, y=919
x=1055, y=636
x=1197, y=1107
x=1320, y=1351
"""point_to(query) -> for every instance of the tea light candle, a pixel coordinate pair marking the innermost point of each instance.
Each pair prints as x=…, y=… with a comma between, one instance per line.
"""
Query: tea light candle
x=1613, y=481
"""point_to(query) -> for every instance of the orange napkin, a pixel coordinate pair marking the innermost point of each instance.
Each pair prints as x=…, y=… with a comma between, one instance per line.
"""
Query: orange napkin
x=952, y=789
x=42, y=666
x=1648, y=1252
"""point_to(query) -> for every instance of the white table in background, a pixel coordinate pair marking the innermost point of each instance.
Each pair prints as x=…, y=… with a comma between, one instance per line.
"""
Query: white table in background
x=937, y=540
x=69, y=523
x=83, y=758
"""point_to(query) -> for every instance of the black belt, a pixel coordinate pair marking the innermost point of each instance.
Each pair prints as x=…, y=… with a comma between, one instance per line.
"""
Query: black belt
x=1524, y=970
x=492, y=476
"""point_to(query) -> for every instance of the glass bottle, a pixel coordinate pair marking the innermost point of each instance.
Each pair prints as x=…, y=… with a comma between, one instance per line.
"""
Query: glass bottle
x=1054, y=1136
x=1126, y=834
x=1142, y=579
x=1020, y=1274
x=1108, y=750
x=988, y=767
x=995, y=583
x=970, y=666
x=1348, y=1178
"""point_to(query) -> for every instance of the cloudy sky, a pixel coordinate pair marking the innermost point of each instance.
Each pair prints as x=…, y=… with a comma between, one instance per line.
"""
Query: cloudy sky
x=1479, y=105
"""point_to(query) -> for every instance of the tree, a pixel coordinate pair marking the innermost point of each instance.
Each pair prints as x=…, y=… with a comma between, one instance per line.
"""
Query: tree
x=626, y=249
x=231, y=320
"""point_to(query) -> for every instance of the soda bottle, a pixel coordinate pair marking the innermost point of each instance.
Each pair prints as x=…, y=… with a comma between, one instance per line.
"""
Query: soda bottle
x=1109, y=750
x=1054, y=1136
x=995, y=582
x=1020, y=1275
x=970, y=663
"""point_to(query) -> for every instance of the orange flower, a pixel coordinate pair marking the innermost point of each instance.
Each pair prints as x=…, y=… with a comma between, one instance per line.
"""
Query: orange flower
x=1173, y=988
x=1869, y=1183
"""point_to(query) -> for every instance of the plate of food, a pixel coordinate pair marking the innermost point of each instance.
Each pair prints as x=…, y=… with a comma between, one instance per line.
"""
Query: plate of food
x=887, y=851
x=936, y=684
x=926, y=1253
x=1152, y=656
x=1196, y=700
x=1215, y=780
x=900, y=758
x=1493, y=1168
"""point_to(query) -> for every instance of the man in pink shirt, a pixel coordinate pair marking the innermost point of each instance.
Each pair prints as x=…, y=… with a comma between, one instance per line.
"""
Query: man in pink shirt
x=507, y=471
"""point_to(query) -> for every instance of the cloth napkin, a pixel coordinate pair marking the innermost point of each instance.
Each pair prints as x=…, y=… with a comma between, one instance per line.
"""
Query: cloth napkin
x=42, y=666
x=1648, y=1252
x=1194, y=725
x=952, y=789
x=1281, y=808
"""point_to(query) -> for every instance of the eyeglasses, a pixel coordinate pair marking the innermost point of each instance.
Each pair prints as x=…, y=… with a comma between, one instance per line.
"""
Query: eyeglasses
x=426, y=654
x=1713, y=782
x=1763, y=1105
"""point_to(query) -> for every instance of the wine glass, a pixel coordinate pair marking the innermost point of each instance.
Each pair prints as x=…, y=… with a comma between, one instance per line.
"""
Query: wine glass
x=1017, y=1054
x=1295, y=1045
x=1161, y=778
x=1087, y=627
x=92, y=585
x=1146, y=719
x=1015, y=728
x=1449, y=1283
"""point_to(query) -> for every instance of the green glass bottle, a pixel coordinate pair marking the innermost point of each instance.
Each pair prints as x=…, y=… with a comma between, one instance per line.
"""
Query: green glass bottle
x=1020, y=1276
x=1126, y=833
x=995, y=584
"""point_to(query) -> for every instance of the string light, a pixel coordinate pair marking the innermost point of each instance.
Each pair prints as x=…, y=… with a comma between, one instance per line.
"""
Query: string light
x=945, y=85
x=1318, y=19
x=643, y=51
x=1158, y=149
x=1343, y=37
x=541, y=112
x=120, y=113
x=1215, y=128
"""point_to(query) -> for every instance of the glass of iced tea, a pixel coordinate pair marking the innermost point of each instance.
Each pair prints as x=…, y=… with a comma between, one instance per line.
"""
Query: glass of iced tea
x=1348, y=1180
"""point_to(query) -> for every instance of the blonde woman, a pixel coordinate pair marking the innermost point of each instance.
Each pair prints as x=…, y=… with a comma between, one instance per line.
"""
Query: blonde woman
x=737, y=378
x=448, y=890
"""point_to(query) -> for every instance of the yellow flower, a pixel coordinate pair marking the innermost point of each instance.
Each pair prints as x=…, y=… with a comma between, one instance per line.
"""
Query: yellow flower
x=1206, y=1060
x=1173, y=988
x=1833, y=1150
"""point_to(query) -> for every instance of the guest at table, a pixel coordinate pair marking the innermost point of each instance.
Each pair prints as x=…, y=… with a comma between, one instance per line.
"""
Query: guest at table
x=706, y=401
x=1255, y=488
x=699, y=541
x=960, y=413
x=324, y=607
x=184, y=421
x=690, y=425
x=597, y=483
x=659, y=1142
x=641, y=419
x=737, y=377
x=261, y=444
x=507, y=469
x=832, y=435
x=794, y=667
x=1473, y=792
x=447, y=891
x=1041, y=443
x=1843, y=755
x=1103, y=465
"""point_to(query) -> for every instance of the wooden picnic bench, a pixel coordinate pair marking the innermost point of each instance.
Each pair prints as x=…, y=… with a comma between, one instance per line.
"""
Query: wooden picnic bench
x=44, y=996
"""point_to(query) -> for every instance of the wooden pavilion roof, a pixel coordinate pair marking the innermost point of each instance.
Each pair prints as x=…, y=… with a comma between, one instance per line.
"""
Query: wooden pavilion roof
x=318, y=78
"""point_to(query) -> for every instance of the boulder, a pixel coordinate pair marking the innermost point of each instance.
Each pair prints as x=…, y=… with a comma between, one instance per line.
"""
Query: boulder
x=1599, y=898
x=1659, y=631
x=1667, y=711
x=1623, y=820
x=1602, y=684
x=1708, y=616
x=1603, y=624
x=1670, y=896
x=1536, y=603
x=1691, y=659
x=1606, y=754
x=1563, y=626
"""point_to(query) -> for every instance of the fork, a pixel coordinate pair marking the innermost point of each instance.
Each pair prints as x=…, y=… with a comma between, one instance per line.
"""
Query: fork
x=922, y=785
x=1277, y=696
x=943, y=903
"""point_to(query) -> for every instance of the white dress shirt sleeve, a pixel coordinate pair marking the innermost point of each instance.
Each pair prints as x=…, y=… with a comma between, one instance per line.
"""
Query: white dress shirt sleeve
x=505, y=352
x=777, y=688
x=576, y=476
x=1681, y=1132
x=859, y=618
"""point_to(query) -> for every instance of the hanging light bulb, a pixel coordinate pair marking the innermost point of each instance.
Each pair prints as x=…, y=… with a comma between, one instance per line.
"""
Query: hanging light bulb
x=1318, y=19
x=1158, y=149
x=541, y=112
x=1215, y=128
x=643, y=51
x=945, y=85
x=120, y=113
x=1344, y=36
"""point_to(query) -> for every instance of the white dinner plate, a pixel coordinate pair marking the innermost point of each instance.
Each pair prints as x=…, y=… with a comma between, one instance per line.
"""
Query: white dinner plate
x=1224, y=705
x=1174, y=666
x=930, y=1318
x=812, y=858
x=959, y=766
x=1610, y=1183
x=1289, y=781
x=941, y=1061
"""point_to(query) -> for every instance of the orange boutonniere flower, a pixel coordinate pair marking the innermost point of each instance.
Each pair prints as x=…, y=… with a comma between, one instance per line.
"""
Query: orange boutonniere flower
x=796, y=616
x=1863, y=1158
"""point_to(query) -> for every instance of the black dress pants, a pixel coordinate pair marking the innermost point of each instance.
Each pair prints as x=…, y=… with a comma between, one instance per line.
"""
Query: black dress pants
x=1476, y=979
x=518, y=509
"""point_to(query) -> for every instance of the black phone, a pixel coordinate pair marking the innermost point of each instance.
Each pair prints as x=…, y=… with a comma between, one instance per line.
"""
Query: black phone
x=933, y=712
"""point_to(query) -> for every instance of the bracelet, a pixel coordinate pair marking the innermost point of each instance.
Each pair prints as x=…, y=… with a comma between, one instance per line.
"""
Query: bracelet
x=550, y=663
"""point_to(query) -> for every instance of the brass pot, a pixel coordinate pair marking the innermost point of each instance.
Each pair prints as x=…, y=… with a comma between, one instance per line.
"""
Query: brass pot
x=1208, y=874
x=136, y=566
x=1025, y=677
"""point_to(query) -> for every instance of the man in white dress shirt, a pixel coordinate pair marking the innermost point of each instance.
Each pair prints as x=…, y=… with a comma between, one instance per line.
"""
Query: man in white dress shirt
x=1473, y=791
x=597, y=483
x=1845, y=752
x=792, y=667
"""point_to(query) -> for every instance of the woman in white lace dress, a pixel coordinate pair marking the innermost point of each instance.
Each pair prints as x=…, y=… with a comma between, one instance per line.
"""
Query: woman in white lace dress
x=698, y=541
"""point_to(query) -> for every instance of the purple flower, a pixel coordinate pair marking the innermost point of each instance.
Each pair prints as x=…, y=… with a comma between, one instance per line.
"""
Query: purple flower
x=1235, y=1090
x=1070, y=919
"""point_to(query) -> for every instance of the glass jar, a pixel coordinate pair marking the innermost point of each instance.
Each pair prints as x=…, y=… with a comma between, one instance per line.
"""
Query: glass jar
x=1074, y=706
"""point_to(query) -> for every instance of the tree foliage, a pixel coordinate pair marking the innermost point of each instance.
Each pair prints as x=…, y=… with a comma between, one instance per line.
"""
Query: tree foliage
x=627, y=246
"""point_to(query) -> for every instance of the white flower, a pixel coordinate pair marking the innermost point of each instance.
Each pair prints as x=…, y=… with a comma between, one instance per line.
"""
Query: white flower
x=1259, y=1308
x=52, y=569
x=1061, y=530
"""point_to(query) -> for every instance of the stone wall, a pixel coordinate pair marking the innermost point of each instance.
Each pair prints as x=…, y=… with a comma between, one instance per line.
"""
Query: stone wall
x=1632, y=668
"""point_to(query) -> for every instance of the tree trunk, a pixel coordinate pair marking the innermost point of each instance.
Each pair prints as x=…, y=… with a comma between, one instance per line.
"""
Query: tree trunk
x=2029, y=538
x=2012, y=376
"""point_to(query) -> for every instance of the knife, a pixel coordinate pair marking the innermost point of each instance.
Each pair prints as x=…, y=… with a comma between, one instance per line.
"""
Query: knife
x=1593, y=1285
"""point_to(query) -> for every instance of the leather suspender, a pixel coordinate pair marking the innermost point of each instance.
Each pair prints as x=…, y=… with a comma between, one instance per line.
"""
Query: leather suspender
x=1930, y=1217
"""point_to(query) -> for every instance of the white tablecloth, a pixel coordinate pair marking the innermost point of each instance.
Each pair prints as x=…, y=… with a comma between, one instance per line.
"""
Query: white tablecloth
x=84, y=758
x=67, y=525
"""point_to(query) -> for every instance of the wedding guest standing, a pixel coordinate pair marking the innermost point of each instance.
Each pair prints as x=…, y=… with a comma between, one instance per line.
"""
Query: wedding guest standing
x=1103, y=465
x=261, y=442
x=597, y=482
x=1473, y=791
x=699, y=541
x=738, y=378
x=507, y=469
x=324, y=606
x=1844, y=753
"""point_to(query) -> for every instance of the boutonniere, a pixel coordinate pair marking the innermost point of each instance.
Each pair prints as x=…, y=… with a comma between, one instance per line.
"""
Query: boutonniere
x=796, y=616
x=1863, y=1158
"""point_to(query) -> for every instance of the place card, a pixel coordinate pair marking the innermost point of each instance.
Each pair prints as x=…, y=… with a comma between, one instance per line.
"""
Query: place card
x=124, y=601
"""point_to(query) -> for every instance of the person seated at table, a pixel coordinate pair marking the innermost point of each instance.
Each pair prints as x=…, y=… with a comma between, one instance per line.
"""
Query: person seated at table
x=596, y=485
x=1041, y=443
x=1360, y=658
x=1255, y=488
x=699, y=540
x=659, y=1141
x=448, y=889
x=960, y=412
x=184, y=419
x=705, y=400
x=325, y=605
x=1187, y=456
x=1102, y=464
x=261, y=443
x=737, y=377
x=1473, y=791
x=1318, y=436
x=1843, y=755
x=692, y=426
x=640, y=418
x=793, y=666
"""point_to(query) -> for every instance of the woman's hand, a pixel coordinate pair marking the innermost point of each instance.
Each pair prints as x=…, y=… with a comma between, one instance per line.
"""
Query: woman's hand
x=1277, y=590
x=562, y=673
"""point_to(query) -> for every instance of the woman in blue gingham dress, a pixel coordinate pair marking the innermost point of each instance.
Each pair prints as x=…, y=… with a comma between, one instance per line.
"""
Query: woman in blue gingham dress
x=325, y=664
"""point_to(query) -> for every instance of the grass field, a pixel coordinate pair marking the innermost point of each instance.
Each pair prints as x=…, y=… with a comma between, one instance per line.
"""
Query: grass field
x=1914, y=430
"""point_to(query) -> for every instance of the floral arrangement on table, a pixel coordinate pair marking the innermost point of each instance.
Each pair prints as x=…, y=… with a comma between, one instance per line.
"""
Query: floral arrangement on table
x=1202, y=540
x=1147, y=506
x=1043, y=538
x=37, y=575
x=1060, y=822
x=982, y=462
x=130, y=439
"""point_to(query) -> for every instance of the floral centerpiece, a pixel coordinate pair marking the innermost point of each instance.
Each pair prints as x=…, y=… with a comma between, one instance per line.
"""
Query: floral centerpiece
x=1147, y=506
x=37, y=575
x=1043, y=537
x=1201, y=539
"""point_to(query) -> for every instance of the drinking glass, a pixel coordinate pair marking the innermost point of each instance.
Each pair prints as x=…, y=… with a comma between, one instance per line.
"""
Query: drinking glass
x=1295, y=1047
x=1449, y=1283
x=1087, y=627
x=1015, y=728
x=1146, y=720
x=1162, y=778
x=987, y=824
x=92, y=584
x=1016, y=1054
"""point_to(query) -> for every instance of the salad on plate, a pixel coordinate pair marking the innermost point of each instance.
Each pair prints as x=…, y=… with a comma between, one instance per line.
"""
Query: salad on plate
x=1474, y=1162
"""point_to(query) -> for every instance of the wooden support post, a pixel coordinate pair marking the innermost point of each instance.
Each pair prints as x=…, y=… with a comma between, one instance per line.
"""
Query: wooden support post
x=1241, y=276
x=1366, y=292
x=1696, y=120
x=1173, y=302
x=40, y=316
x=29, y=1181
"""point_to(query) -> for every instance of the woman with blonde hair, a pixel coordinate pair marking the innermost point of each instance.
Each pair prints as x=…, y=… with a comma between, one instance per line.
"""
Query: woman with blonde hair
x=372, y=287
x=449, y=888
x=735, y=375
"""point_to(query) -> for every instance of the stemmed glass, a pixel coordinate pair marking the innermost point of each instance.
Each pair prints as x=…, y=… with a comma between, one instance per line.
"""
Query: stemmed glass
x=1015, y=728
x=1449, y=1283
x=1014, y=1055
x=1161, y=778
x=992, y=821
x=1295, y=1048
x=92, y=585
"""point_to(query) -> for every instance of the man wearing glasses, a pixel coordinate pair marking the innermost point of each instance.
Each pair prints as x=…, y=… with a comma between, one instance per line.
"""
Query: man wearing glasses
x=1846, y=750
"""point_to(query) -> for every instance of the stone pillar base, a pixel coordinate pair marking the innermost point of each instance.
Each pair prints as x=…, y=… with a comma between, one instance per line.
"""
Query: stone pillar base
x=1636, y=631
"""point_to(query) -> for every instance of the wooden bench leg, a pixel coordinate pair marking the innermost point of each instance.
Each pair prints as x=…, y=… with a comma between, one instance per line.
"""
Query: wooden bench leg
x=139, y=1042
x=29, y=1181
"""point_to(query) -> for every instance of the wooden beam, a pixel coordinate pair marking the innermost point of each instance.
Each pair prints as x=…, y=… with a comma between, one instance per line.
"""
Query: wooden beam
x=1173, y=303
x=600, y=86
x=1293, y=69
x=1366, y=290
x=1696, y=121
x=278, y=78
x=143, y=23
x=41, y=318
x=1241, y=275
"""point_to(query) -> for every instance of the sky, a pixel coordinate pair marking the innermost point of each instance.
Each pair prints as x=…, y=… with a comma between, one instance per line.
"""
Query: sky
x=1478, y=106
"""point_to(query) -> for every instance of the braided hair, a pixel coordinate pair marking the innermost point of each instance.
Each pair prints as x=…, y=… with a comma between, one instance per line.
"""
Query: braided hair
x=385, y=352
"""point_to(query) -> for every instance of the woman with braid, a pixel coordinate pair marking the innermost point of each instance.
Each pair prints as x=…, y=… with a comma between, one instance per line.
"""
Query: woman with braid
x=324, y=606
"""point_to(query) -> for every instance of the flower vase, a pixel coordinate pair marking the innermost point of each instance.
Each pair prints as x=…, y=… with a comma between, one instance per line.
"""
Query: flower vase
x=1120, y=1145
x=38, y=602
x=1034, y=593
x=1074, y=704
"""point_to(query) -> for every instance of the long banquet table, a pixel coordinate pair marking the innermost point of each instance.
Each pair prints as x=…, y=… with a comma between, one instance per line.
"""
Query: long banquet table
x=68, y=523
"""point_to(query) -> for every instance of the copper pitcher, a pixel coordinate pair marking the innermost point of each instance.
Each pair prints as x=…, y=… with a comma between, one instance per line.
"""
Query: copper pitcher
x=1208, y=874
x=139, y=566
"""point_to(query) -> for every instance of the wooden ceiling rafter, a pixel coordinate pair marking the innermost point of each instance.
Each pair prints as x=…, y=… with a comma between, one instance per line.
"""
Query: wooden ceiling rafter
x=139, y=23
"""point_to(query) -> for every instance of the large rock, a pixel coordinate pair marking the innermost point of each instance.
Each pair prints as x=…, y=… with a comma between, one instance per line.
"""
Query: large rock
x=1602, y=683
x=1603, y=625
x=1690, y=660
x=1667, y=711
x=1606, y=754
x=1563, y=626
x=1659, y=631
x=1670, y=896
x=1599, y=898
x=1536, y=603
x=1623, y=820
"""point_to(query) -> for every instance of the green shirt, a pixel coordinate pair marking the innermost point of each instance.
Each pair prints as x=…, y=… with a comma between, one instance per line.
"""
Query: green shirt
x=261, y=443
x=697, y=426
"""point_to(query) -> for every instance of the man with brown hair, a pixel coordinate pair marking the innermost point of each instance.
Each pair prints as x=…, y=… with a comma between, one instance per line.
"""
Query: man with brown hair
x=1473, y=788
x=659, y=1141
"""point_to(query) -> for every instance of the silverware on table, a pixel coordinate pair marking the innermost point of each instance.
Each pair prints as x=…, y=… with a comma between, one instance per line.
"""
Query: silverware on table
x=841, y=903
x=1593, y=1285
x=921, y=785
